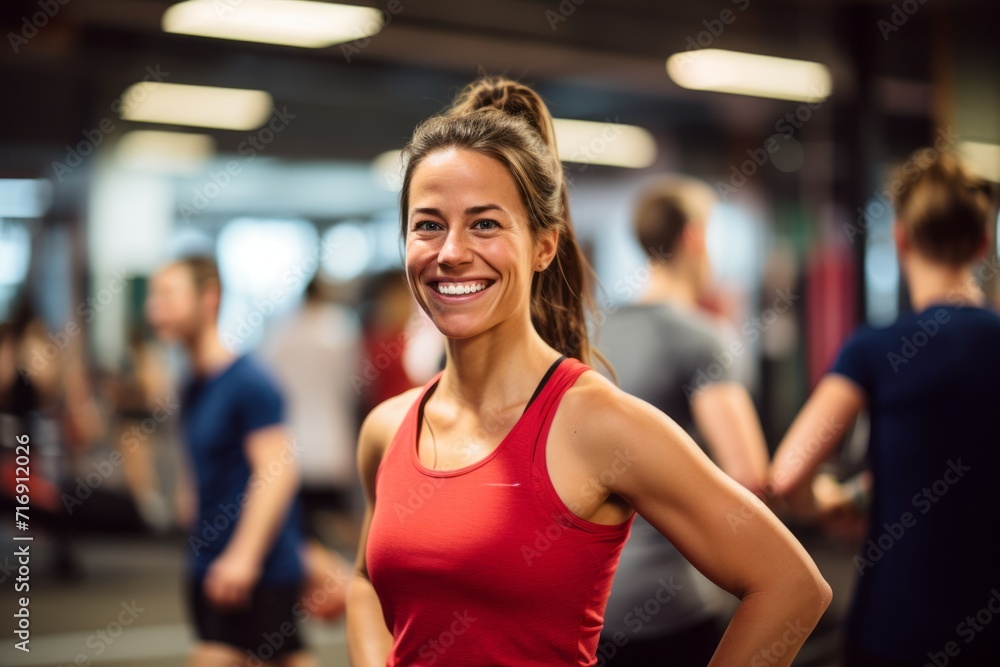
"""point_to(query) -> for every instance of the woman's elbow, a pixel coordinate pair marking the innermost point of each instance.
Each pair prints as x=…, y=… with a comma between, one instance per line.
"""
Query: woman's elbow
x=813, y=596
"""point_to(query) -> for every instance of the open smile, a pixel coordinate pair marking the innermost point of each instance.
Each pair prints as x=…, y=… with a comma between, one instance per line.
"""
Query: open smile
x=459, y=290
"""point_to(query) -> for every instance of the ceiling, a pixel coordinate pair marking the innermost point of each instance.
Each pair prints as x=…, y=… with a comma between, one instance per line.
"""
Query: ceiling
x=591, y=59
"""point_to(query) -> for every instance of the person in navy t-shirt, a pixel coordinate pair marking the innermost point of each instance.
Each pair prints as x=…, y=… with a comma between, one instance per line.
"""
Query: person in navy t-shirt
x=245, y=575
x=929, y=568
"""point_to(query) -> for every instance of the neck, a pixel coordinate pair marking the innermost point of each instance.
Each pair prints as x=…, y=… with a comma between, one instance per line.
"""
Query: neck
x=497, y=368
x=931, y=283
x=208, y=354
x=669, y=284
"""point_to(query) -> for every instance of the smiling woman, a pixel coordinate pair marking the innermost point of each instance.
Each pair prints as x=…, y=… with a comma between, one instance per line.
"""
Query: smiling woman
x=502, y=132
x=506, y=486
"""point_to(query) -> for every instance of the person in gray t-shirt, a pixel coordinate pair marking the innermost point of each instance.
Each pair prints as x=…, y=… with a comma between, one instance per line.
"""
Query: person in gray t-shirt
x=668, y=353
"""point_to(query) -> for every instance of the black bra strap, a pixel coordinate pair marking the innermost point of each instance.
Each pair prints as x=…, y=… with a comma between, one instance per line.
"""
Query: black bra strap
x=545, y=379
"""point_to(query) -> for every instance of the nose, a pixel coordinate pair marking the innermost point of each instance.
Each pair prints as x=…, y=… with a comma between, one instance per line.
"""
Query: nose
x=455, y=249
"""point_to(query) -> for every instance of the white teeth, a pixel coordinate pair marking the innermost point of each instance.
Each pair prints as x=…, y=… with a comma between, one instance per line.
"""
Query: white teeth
x=460, y=288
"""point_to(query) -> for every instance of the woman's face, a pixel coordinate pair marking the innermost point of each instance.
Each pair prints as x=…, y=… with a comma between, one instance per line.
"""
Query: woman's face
x=470, y=253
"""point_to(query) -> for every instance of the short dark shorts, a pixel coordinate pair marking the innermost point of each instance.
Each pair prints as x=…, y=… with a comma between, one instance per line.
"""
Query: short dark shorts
x=267, y=629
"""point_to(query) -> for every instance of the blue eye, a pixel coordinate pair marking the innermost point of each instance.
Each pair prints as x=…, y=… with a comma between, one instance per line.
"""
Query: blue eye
x=492, y=224
x=426, y=225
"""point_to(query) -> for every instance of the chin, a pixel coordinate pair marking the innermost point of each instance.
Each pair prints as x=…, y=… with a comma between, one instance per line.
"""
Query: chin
x=456, y=329
x=167, y=334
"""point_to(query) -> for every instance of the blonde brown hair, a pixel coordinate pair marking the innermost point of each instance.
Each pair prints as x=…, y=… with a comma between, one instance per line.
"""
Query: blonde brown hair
x=510, y=123
x=665, y=208
x=204, y=271
x=946, y=211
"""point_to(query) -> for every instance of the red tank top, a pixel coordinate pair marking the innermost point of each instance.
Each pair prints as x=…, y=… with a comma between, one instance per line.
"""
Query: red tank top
x=485, y=565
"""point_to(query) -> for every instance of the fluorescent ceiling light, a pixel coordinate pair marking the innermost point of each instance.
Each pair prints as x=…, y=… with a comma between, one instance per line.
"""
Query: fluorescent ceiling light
x=983, y=158
x=290, y=22
x=604, y=143
x=198, y=106
x=164, y=152
x=750, y=74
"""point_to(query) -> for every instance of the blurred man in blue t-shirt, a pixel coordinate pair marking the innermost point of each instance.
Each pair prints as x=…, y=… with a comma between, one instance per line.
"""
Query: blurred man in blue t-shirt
x=245, y=575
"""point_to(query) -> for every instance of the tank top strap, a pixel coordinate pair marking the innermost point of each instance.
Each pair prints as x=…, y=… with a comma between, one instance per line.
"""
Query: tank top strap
x=407, y=432
x=545, y=405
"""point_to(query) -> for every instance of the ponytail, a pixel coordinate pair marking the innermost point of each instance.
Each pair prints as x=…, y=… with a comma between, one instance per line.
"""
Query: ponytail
x=509, y=122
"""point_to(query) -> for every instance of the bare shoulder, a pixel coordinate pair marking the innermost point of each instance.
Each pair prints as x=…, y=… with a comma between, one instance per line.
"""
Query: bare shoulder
x=594, y=410
x=597, y=405
x=598, y=418
x=379, y=428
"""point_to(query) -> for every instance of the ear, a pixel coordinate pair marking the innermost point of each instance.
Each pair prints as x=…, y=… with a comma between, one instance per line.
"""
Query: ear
x=901, y=239
x=546, y=245
x=211, y=297
x=983, y=248
x=693, y=237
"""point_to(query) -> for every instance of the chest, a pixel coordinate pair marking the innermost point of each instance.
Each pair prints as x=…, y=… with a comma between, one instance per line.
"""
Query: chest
x=449, y=441
x=483, y=528
x=212, y=425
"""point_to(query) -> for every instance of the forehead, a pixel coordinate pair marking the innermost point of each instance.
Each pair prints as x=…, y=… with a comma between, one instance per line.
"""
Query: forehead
x=459, y=177
x=172, y=276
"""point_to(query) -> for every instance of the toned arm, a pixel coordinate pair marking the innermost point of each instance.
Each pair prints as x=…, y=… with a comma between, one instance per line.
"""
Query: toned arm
x=719, y=526
x=817, y=431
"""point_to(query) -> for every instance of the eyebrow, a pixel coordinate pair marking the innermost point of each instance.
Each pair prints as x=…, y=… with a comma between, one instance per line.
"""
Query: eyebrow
x=472, y=210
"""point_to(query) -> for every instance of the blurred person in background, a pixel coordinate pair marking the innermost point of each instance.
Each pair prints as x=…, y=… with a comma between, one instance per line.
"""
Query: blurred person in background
x=245, y=574
x=501, y=492
x=929, y=568
x=45, y=393
x=313, y=355
x=669, y=353
x=386, y=310
x=142, y=394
